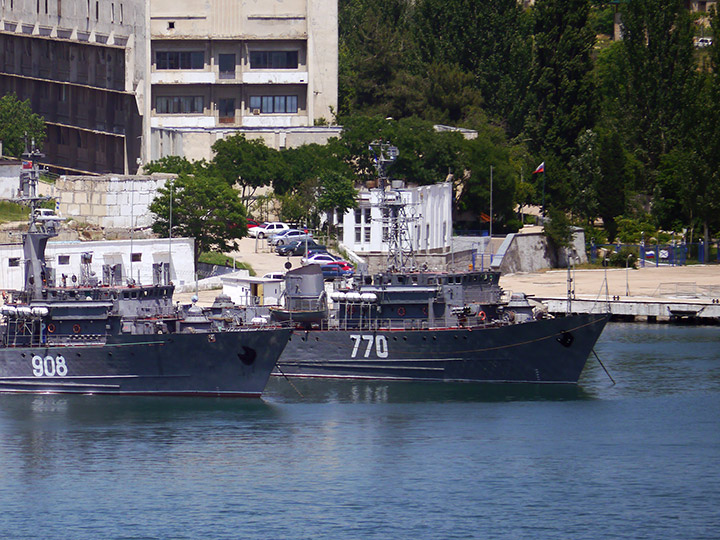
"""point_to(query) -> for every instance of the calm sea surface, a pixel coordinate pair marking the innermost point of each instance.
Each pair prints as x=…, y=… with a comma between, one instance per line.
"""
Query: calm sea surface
x=638, y=459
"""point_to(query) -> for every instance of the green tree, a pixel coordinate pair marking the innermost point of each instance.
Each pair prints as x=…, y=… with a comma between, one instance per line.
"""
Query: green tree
x=175, y=165
x=557, y=229
x=377, y=56
x=659, y=79
x=611, y=187
x=464, y=33
x=707, y=136
x=248, y=163
x=19, y=126
x=203, y=207
x=561, y=97
x=337, y=193
x=586, y=177
x=488, y=150
x=426, y=156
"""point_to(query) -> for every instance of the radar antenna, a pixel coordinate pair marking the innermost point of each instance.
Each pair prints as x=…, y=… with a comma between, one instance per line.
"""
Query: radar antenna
x=395, y=218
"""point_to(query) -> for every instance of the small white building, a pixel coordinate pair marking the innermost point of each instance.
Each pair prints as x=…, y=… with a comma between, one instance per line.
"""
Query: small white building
x=146, y=261
x=246, y=290
x=429, y=214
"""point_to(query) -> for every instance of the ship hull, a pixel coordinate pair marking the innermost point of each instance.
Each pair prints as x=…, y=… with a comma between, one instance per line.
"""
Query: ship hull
x=228, y=363
x=546, y=351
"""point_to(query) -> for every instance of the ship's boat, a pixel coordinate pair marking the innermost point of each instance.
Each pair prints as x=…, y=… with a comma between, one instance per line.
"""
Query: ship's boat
x=91, y=337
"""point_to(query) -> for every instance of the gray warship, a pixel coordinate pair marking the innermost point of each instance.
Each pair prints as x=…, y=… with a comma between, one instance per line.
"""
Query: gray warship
x=93, y=338
x=407, y=323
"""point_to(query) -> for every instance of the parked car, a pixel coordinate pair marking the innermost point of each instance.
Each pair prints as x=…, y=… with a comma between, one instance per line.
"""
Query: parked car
x=275, y=275
x=332, y=271
x=268, y=229
x=289, y=235
x=312, y=252
x=298, y=247
x=319, y=258
x=343, y=265
x=251, y=223
x=703, y=42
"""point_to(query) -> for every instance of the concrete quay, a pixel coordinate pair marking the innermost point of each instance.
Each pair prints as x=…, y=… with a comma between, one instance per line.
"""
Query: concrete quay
x=650, y=293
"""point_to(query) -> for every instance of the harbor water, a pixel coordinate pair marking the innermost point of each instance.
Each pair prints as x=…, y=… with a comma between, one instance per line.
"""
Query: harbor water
x=352, y=459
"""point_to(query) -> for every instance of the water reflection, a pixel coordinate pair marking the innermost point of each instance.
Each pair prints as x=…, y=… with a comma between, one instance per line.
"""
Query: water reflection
x=353, y=391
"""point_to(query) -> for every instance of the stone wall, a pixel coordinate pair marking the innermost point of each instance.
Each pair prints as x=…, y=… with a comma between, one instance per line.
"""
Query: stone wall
x=110, y=202
x=531, y=252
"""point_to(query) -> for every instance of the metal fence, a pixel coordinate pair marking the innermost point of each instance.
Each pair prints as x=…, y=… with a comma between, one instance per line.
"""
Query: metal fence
x=671, y=254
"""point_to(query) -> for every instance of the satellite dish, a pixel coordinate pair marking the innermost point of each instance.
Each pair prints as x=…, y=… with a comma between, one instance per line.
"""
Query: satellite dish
x=288, y=265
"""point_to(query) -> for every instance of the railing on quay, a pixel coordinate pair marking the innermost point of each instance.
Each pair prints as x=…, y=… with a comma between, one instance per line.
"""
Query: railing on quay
x=670, y=254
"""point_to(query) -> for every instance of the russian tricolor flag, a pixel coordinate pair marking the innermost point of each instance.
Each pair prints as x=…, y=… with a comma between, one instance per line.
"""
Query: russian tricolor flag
x=540, y=168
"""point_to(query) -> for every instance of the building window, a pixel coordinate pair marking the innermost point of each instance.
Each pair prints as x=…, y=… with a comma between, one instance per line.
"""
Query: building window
x=358, y=233
x=274, y=104
x=179, y=104
x=226, y=110
x=273, y=59
x=14, y=261
x=63, y=259
x=136, y=257
x=180, y=60
x=226, y=64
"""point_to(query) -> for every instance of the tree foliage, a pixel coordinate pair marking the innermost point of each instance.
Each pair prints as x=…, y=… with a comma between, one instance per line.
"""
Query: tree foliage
x=203, y=207
x=659, y=78
x=19, y=126
x=249, y=164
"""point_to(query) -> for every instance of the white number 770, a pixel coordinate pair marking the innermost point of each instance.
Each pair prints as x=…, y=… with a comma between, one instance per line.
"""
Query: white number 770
x=381, y=346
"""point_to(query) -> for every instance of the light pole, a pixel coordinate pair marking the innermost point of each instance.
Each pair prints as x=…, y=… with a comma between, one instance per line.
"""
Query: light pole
x=627, y=273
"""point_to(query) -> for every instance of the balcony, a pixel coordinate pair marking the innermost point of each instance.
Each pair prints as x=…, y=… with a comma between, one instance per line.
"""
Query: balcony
x=275, y=77
x=183, y=77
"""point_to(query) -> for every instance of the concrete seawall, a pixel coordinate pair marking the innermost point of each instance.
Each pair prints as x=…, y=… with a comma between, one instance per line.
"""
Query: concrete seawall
x=652, y=294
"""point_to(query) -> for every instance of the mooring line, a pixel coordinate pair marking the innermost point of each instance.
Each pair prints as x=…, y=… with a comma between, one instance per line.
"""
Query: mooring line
x=288, y=380
x=603, y=365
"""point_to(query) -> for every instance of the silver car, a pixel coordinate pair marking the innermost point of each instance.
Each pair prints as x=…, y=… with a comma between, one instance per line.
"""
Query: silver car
x=285, y=237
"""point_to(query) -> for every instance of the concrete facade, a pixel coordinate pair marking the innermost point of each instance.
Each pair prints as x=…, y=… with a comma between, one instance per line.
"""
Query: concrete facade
x=121, y=83
x=64, y=258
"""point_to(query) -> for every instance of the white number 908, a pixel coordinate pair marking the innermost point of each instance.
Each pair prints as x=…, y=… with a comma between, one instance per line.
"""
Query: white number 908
x=49, y=366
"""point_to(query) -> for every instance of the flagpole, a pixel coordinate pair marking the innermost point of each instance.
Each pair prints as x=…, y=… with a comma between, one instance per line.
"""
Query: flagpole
x=491, y=186
x=543, y=196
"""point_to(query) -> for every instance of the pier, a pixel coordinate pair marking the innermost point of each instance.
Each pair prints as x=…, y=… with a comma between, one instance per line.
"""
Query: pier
x=642, y=309
x=653, y=294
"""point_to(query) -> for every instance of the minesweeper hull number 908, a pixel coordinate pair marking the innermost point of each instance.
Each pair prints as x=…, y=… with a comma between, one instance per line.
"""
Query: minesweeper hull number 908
x=49, y=366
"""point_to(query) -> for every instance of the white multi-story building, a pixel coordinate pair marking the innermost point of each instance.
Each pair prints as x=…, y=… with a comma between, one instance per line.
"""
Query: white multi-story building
x=428, y=210
x=122, y=82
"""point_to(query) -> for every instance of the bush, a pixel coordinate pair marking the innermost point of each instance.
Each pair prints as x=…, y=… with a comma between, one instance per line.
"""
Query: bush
x=630, y=230
x=619, y=259
x=595, y=234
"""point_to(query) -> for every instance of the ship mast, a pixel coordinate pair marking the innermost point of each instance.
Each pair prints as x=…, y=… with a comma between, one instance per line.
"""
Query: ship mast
x=395, y=219
x=40, y=229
